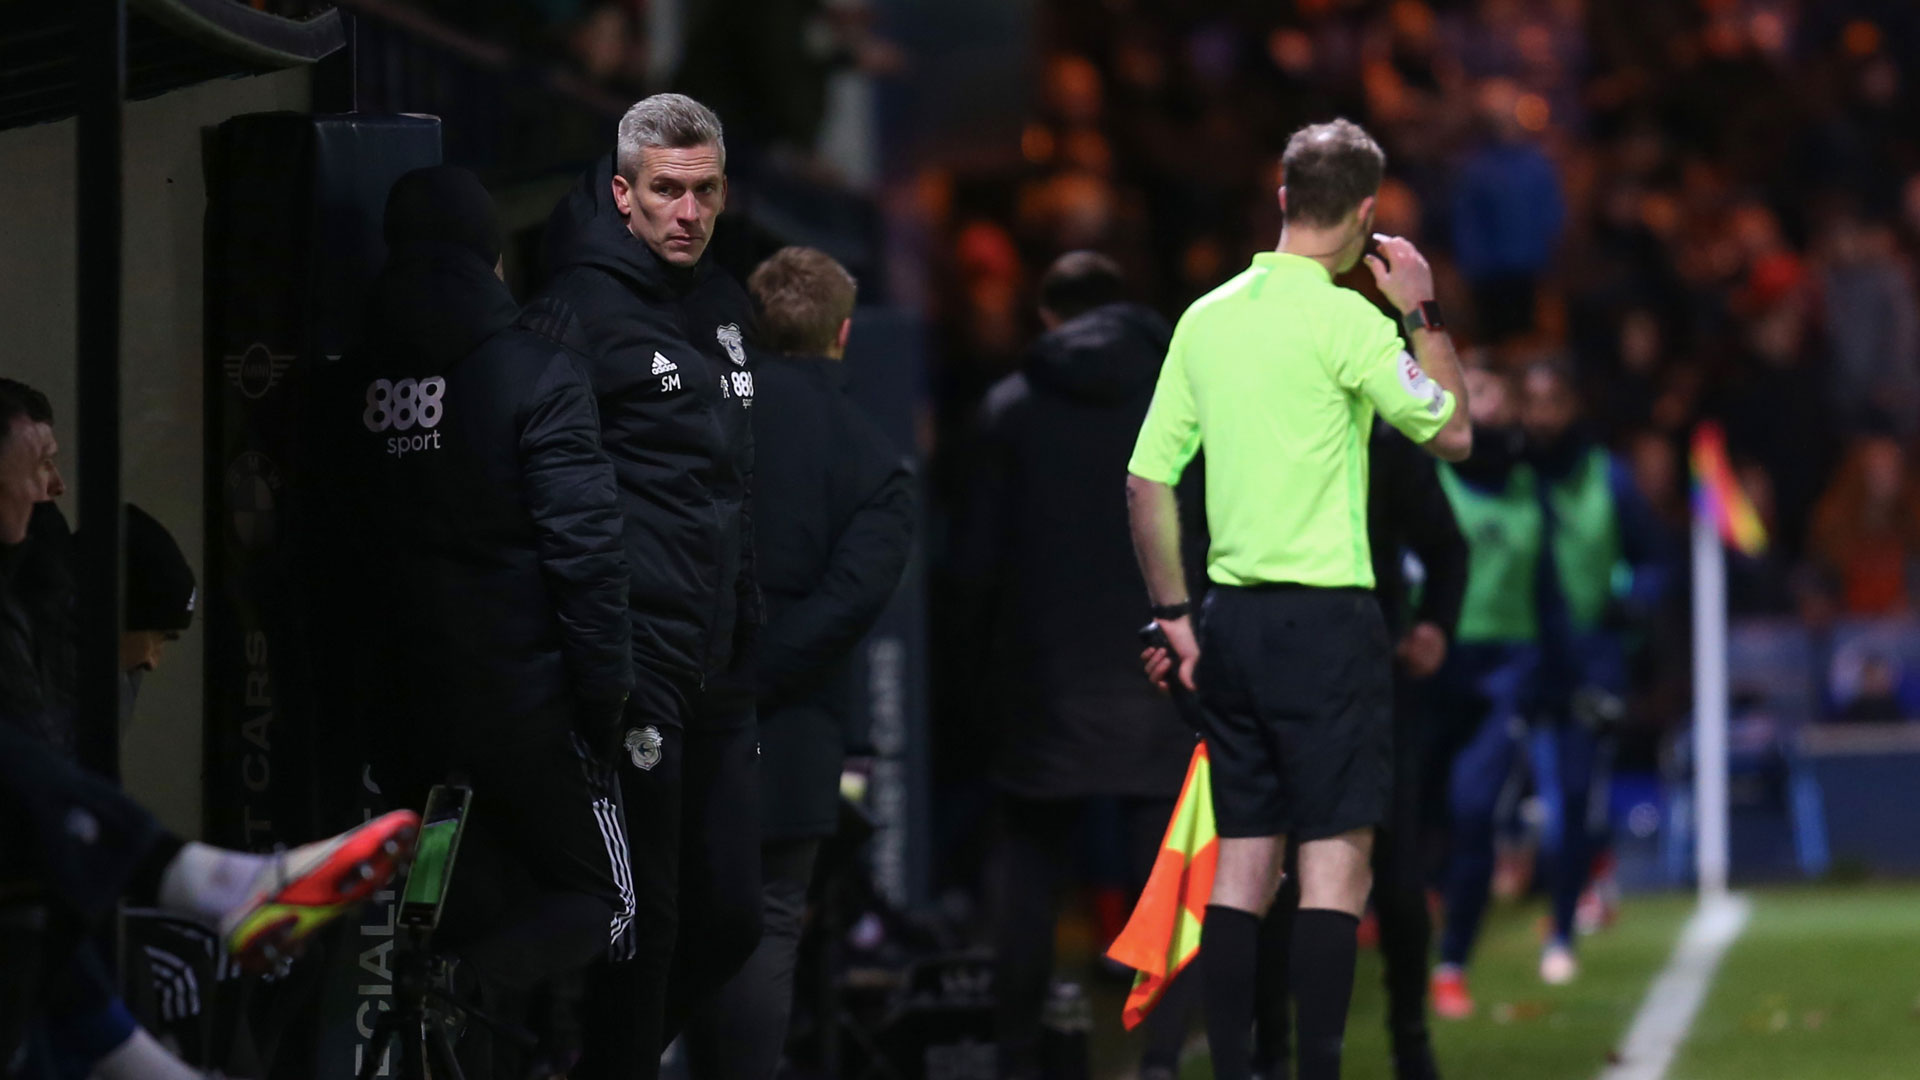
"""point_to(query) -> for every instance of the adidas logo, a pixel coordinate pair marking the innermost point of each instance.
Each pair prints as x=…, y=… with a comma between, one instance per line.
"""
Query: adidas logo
x=662, y=365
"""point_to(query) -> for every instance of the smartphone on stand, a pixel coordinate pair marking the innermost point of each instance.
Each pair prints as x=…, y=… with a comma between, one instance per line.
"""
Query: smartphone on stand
x=441, y=826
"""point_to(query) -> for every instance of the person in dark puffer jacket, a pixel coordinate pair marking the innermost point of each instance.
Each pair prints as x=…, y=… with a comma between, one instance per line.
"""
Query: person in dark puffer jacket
x=465, y=464
x=667, y=334
x=834, y=531
x=1056, y=598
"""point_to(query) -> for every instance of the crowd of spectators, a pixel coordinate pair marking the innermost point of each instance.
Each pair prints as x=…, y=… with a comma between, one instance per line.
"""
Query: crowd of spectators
x=1710, y=207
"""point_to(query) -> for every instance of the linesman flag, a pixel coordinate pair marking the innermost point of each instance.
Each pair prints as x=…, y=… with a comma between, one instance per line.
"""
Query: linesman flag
x=1717, y=493
x=1163, y=935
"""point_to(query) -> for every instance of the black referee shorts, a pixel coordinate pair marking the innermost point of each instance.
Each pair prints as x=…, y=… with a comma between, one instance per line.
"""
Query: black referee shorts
x=1296, y=685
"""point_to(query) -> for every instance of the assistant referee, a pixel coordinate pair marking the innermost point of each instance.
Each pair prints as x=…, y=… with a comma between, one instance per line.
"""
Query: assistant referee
x=1278, y=374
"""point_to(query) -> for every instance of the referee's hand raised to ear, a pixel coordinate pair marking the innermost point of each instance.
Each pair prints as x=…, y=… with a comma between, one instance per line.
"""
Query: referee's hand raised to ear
x=1403, y=275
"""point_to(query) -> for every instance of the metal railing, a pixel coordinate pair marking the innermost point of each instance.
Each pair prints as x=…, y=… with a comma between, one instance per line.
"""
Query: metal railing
x=506, y=116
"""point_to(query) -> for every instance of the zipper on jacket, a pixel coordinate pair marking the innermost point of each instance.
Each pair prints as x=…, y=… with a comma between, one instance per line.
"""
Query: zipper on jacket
x=720, y=441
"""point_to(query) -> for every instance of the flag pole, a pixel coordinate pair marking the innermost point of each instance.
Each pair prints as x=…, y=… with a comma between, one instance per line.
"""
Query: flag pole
x=1709, y=703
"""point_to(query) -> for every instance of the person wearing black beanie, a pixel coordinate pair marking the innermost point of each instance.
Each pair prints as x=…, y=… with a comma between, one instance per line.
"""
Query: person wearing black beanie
x=161, y=596
x=442, y=205
x=468, y=579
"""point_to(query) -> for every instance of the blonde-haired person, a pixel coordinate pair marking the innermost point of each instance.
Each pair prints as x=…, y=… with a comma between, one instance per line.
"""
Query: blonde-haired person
x=833, y=523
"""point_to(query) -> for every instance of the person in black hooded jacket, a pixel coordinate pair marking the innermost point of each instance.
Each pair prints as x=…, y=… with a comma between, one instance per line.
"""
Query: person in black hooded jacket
x=835, y=529
x=465, y=471
x=664, y=332
x=1044, y=549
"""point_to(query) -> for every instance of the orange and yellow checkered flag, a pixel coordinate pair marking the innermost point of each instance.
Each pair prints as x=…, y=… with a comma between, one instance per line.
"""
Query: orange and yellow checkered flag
x=1163, y=936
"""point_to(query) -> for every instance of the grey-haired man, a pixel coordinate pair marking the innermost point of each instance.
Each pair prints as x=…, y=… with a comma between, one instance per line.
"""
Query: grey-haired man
x=664, y=331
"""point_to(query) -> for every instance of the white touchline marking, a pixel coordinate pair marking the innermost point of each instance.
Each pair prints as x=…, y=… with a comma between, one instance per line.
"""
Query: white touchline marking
x=1667, y=1014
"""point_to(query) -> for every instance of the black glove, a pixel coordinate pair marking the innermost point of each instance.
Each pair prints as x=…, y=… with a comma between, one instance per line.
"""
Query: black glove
x=602, y=724
x=1184, y=704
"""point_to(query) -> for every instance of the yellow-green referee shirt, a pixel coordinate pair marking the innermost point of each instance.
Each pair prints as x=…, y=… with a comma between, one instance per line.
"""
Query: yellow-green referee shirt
x=1278, y=373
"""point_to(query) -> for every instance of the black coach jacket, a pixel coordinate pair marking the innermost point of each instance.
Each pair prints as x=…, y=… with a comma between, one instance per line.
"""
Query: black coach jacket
x=1053, y=591
x=482, y=510
x=666, y=353
x=38, y=686
x=834, y=529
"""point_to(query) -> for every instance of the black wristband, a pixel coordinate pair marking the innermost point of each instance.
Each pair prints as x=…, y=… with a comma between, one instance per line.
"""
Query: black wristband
x=1173, y=611
x=1425, y=316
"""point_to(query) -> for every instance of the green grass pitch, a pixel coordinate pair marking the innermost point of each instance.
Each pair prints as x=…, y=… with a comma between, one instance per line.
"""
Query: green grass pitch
x=1824, y=983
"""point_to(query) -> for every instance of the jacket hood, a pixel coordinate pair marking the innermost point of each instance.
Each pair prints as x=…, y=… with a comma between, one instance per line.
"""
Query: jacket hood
x=586, y=229
x=1106, y=354
x=437, y=302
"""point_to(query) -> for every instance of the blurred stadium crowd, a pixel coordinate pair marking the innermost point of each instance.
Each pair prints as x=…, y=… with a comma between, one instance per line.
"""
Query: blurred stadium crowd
x=1710, y=207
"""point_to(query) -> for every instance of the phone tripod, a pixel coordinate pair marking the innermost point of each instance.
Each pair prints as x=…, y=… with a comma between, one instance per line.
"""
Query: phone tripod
x=424, y=1049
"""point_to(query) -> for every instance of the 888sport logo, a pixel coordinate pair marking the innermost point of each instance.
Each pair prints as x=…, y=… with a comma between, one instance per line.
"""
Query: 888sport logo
x=403, y=406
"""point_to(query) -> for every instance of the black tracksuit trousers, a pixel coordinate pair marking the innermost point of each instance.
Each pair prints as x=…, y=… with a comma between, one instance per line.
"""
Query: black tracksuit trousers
x=690, y=780
x=542, y=886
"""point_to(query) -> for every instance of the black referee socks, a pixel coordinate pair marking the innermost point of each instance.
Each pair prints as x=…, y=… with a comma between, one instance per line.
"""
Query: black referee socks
x=1322, y=981
x=1321, y=978
x=1229, y=959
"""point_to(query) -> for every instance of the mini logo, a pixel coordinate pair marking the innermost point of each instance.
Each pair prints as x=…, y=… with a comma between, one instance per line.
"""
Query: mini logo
x=643, y=746
x=662, y=365
x=730, y=340
x=257, y=371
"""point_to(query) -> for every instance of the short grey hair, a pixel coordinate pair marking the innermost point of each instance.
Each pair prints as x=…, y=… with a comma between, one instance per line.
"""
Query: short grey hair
x=672, y=121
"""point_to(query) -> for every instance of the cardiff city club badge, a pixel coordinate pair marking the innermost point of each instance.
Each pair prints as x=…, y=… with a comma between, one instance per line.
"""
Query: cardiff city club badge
x=731, y=341
x=643, y=746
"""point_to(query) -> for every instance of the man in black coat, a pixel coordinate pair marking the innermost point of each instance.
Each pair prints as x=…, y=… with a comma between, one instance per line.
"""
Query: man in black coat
x=465, y=460
x=664, y=330
x=1044, y=547
x=835, y=515
x=73, y=842
x=37, y=690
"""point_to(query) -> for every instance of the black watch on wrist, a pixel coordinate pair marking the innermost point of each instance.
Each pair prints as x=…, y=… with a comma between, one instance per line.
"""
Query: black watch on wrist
x=1424, y=316
x=1173, y=611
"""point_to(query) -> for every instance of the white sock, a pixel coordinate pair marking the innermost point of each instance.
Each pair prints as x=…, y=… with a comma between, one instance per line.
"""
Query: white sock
x=143, y=1058
x=210, y=882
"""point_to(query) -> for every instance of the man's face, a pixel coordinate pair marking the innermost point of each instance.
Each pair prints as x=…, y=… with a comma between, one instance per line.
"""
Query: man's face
x=1549, y=408
x=672, y=202
x=1490, y=404
x=46, y=461
x=27, y=476
x=140, y=650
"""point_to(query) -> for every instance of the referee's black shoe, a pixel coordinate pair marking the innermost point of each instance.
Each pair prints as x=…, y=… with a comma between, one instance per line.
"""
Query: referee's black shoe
x=1414, y=1062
